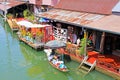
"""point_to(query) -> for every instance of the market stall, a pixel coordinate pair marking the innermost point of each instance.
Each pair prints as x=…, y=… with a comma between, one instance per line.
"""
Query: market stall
x=35, y=35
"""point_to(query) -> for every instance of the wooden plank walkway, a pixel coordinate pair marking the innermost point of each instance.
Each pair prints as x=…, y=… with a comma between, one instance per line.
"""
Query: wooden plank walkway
x=33, y=45
x=13, y=24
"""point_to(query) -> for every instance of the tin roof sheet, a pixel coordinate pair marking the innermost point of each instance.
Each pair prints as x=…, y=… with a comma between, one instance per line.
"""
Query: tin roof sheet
x=109, y=23
x=10, y=4
x=92, y=6
x=80, y=18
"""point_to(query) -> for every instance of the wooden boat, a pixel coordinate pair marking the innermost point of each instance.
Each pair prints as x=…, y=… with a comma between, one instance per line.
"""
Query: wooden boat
x=55, y=66
x=63, y=70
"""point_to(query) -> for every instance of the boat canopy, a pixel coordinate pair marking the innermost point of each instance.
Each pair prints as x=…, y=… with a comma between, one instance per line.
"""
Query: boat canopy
x=28, y=24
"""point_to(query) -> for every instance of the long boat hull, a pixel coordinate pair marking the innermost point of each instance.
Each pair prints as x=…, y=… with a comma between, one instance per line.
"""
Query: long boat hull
x=63, y=70
x=48, y=51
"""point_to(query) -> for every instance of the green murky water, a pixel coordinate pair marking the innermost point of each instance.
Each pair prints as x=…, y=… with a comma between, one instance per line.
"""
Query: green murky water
x=20, y=62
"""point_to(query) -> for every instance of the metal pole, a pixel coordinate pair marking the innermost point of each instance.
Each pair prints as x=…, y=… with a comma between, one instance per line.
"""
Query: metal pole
x=5, y=10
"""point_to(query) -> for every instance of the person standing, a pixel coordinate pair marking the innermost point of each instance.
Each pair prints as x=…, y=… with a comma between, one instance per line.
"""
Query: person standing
x=78, y=42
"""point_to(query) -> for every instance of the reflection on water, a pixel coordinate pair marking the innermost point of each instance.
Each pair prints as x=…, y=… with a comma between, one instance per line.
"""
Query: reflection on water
x=18, y=61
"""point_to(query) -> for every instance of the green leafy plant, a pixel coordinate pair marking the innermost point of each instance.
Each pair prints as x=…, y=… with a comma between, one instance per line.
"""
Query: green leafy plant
x=28, y=15
x=83, y=46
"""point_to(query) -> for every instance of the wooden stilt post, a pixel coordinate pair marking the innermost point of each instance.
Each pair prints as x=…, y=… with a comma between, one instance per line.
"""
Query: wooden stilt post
x=102, y=42
x=94, y=38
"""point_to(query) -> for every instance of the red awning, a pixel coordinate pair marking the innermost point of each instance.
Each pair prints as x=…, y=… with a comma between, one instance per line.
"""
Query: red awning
x=9, y=4
x=91, y=6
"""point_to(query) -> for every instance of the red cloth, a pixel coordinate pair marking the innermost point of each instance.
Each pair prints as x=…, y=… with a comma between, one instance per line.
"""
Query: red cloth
x=91, y=60
x=93, y=54
x=109, y=60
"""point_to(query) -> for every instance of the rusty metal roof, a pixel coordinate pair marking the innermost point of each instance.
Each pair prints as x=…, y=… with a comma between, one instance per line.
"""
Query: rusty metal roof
x=109, y=23
x=92, y=6
x=9, y=4
x=80, y=18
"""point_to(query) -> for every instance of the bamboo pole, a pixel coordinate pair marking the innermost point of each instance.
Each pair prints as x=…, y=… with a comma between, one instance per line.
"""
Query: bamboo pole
x=85, y=37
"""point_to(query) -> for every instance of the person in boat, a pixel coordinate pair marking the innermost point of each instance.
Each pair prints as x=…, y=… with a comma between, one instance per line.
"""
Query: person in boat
x=62, y=66
x=51, y=56
x=53, y=52
x=55, y=60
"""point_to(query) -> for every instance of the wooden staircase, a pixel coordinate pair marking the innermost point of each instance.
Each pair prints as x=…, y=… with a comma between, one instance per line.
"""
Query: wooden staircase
x=87, y=64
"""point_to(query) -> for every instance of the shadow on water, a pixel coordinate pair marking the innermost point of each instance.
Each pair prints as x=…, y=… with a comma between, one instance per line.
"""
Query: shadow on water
x=34, y=59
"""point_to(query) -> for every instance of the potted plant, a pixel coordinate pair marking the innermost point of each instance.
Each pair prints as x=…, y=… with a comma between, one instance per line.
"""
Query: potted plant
x=28, y=15
x=83, y=45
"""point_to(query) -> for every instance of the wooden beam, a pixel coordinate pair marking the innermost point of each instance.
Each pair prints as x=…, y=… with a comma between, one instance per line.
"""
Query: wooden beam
x=102, y=42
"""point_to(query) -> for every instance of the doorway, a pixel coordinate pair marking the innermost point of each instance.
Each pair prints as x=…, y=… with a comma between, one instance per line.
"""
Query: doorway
x=98, y=40
x=108, y=44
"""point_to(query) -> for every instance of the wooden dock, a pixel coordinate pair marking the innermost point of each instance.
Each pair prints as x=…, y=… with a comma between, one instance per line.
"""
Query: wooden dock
x=108, y=72
x=33, y=45
x=13, y=24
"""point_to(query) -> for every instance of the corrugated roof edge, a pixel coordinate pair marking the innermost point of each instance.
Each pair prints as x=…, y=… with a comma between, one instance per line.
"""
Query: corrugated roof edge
x=104, y=7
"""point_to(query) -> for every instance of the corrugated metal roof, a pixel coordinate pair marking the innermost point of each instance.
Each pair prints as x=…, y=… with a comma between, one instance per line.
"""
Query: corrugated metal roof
x=10, y=4
x=92, y=6
x=50, y=2
x=109, y=23
x=80, y=18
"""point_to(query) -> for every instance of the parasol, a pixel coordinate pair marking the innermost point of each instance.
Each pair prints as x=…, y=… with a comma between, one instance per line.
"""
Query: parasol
x=54, y=44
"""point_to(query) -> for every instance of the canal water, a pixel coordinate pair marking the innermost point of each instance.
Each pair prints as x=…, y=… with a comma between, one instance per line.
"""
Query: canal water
x=18, y=61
